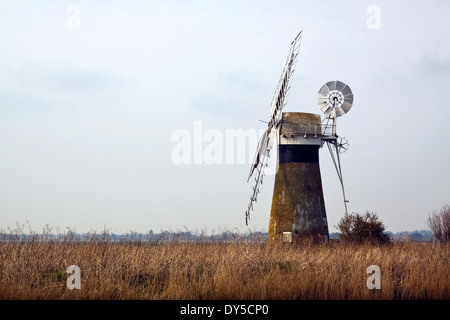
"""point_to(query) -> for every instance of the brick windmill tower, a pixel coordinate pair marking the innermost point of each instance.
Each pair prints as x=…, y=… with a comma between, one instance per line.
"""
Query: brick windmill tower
x=298, y=206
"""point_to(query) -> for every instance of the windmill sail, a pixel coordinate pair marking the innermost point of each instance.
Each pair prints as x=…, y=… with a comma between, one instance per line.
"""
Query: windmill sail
x=261, y=158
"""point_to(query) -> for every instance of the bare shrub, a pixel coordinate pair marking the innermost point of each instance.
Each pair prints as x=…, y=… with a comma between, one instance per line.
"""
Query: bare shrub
x=362, y=227
x=439, y=223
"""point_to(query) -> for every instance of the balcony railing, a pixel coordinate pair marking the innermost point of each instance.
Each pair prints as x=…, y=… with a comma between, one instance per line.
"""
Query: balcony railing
x=316, y=130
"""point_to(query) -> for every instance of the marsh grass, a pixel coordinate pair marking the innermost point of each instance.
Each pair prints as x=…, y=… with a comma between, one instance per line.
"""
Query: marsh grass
x=222, y=270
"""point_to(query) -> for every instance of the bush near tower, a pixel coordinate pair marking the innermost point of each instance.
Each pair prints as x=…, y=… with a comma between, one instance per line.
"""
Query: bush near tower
x=362, y=227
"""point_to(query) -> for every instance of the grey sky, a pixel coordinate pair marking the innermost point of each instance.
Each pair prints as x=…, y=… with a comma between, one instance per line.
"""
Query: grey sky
x=87, y=110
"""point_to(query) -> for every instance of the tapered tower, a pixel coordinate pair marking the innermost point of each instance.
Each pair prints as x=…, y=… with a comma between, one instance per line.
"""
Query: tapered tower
x=298, y=207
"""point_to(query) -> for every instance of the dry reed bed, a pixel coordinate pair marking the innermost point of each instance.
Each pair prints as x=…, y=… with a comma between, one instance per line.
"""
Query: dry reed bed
x=36, y=270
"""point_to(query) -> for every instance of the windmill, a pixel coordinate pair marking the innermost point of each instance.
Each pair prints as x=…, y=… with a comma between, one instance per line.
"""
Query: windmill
x=335, y=99
x=298, y=206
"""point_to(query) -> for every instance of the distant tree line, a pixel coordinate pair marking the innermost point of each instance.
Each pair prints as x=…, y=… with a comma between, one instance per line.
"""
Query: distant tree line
x=354, y=227
x=168, y=236
x=132, y=237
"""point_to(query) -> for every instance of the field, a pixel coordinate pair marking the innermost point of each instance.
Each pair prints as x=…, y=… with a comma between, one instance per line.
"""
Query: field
x=36, y=269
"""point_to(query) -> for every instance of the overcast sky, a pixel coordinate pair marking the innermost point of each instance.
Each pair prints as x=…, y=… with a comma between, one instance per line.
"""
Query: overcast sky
x=92, y=94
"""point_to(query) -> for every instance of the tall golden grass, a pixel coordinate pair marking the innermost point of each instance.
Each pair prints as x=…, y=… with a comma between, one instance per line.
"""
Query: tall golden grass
x=223, y=270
